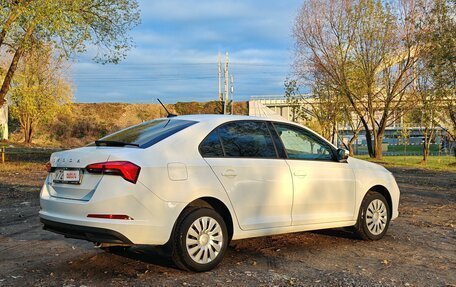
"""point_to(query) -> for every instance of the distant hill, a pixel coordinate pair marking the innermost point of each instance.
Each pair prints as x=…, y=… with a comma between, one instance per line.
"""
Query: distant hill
x=88, y=122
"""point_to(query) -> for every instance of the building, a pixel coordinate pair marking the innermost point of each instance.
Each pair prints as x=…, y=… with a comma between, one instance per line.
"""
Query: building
x=4, y=122
x=394, y=134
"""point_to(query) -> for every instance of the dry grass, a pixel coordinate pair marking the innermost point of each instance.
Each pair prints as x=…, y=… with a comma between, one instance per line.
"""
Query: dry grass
x=88, y=122
x=21, y=167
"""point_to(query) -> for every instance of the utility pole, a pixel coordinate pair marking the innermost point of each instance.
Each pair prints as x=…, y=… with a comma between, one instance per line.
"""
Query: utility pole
x=219, y=62
x=232, y=95
x=226, y=99
x=224, y=96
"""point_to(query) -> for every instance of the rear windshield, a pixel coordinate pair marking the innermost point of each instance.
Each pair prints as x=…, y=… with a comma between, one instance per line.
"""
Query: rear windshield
x=146, y=134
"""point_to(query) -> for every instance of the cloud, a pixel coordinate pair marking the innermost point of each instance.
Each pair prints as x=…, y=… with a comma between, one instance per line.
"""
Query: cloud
x=176, y=52
x=193, y=10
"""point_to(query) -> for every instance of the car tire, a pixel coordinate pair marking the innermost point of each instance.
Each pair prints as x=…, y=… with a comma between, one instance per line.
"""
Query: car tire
x=373, y=217
x=200, y=239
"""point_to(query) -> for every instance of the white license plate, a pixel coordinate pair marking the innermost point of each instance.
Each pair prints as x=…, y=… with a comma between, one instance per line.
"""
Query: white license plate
x=72, y=176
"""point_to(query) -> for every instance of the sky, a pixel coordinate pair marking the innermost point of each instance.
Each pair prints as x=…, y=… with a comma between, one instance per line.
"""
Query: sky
x=176, y=49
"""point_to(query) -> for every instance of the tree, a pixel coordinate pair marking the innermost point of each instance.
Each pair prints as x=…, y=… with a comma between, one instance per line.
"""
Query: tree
x=351, y=120
x=366, y=50
x=435, y=84
x=315, y=105
x=294, y=99
x=69, y=24
x=405, y=137
x=428, y=107
x=329, y=109
x=325, y=105
x=39, y=91
x=439, y=33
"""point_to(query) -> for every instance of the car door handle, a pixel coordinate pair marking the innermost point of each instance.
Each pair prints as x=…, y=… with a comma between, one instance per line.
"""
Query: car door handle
x=299, y=173
x=229, y=173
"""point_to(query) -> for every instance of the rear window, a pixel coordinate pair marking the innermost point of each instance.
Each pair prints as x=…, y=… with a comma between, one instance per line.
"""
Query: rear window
x=211, y=146
x=146, y=134
x=247, y=139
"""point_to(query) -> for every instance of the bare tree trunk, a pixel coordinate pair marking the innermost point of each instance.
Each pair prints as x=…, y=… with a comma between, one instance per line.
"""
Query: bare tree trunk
x=428, y=134
x=333, y=133
x=12, y=68
x=370, y=150
x=9, y=75
x=378, y=138
x=25, y=128
x=26, y=136
x=28, y=131
x=350, y=147
x=425, y=149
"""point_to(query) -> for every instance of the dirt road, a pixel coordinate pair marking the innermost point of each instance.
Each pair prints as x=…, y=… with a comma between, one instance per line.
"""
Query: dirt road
x=418, y=250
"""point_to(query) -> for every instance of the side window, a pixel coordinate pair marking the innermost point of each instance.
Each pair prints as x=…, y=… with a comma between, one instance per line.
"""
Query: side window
x=211, y=146
x=300, y=144
x=247, y=139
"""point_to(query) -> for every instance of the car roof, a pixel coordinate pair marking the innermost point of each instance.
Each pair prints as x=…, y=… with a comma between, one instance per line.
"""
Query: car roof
x=224, y=118
x=217, y=119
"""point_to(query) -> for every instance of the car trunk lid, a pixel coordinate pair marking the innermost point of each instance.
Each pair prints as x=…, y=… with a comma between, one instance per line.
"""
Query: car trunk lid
x=74, y=162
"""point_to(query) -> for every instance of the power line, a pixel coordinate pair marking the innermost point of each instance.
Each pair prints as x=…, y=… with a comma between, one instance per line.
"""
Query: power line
x=187, y=64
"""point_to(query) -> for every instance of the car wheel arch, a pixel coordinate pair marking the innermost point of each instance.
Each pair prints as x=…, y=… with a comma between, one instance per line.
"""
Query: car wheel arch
x=218, y=206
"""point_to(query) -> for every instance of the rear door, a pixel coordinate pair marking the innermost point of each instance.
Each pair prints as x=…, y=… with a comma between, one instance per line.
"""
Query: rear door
x=243, y=156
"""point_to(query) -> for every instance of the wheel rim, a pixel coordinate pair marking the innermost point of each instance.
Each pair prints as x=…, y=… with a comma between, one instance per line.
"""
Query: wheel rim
x=376, y=217
x=204, y=240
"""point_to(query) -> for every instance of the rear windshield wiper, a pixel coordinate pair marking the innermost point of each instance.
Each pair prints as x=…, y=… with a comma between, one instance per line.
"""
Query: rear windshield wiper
x=113, y=143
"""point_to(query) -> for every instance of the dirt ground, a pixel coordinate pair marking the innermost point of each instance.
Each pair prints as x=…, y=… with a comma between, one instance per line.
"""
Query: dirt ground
x=418, y=250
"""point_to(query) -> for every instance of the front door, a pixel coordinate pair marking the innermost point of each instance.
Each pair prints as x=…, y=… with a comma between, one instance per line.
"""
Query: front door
x=324, y=188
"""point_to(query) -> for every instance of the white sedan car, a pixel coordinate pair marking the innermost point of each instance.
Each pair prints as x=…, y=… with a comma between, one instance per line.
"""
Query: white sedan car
x=193, y=183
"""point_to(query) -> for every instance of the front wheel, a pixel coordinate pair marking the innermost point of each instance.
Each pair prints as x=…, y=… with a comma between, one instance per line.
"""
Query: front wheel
x=374, y=217
x=200, y=240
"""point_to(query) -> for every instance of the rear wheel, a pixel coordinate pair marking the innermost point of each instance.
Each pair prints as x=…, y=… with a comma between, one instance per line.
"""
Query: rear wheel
x=374, y=217
x=200, y=240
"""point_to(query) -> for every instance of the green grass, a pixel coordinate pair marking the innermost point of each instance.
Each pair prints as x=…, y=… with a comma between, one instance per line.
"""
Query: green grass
x=444, y=163
x=401, y=149
x=412, y=148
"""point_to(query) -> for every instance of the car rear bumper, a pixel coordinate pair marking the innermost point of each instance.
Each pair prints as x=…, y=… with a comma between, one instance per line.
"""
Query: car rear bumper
x=152, y=219
x=93, y=234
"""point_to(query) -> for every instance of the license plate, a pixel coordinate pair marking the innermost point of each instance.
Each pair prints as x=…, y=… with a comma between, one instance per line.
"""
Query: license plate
x=71, y=176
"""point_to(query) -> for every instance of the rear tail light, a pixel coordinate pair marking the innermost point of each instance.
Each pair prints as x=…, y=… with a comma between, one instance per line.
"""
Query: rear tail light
x=127, y=170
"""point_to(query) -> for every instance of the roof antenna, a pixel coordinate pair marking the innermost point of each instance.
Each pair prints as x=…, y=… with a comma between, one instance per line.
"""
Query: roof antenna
x=170, y=115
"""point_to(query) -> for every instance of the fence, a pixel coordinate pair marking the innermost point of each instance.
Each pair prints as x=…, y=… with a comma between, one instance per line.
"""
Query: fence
x=407, y=150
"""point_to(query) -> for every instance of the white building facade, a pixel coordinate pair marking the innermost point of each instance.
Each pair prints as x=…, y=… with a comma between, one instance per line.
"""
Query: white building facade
x=4, y=122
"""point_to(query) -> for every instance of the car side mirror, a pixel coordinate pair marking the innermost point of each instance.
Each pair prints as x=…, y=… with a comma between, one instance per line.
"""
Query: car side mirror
x=342, y=154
